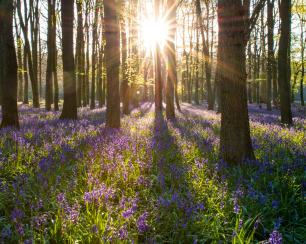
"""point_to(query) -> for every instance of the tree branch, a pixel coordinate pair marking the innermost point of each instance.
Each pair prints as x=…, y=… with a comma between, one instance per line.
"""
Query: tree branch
x=254, y=17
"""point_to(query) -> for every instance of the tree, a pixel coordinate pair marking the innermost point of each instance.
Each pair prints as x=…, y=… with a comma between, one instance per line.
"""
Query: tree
x=284, y=88
x=29, y=55
x=19, y=48
x=79, y=56
x=158, y=83
x=270, y=51
x=70, y=105
x=235, y=28
x=50, y=58
x=172, y=72
x=112, y=58
x=206, y=55
x=125, y=83
x=93, y=56
x=8, y=66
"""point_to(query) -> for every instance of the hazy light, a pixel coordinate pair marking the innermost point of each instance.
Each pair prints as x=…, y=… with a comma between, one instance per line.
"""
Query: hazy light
x=153, y=32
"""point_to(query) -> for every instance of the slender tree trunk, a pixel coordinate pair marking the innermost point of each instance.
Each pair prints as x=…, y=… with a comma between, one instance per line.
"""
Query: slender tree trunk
x=218, y=70
x=26, y=78
x=87, y=54
x=8, y=66
x=70, y=103
x=20, y=78
x=254, y=71
x=207, y=58
x=249, y=83
x=40, y=72
x=29, y=56
x=270, y=52
x=50, y=61
x=112, y=57
x=34, y=20
x=263, y=86
x=79, y=60
x=93, y=56
x=158, y=83
x=172, y=75
x=303, y=66
x=83, y=88
x=184, y=72
x=100, y=76
x=56, y=89
x=125, y=84
x=286, y=114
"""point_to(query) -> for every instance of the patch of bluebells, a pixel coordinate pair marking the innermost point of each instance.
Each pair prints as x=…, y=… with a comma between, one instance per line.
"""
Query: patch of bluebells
x=115, y=172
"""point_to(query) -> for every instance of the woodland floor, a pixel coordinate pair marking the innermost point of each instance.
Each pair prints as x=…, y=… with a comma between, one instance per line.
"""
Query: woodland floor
x=152, y=181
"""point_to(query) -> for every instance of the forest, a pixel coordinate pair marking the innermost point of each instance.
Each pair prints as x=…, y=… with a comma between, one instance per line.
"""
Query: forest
x=152, y=121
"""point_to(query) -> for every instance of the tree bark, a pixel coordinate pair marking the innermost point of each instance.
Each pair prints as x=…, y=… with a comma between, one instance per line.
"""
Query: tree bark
x=26, y=78
x=20, y=77
x=8, y=66
x=235, y=139
x=286, y=114
x=158, y=83
x=93, y=56
x=70, y=103
x=56, y=89
x=172, y=75
x=249, y=82
x=79, y=60
x=270, y=52
x=50, y=58
x=40, y=72
x=303, y=66
x=125, y=83
x=112, y=58
x=29, y=56
x=207, y=58
x=86, y=85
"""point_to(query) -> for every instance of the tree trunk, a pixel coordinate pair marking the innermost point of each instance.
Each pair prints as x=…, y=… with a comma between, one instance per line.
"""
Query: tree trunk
x=270, y=52
x=83, y=88
x=50, y=60
x=235, y=139
x=100, y=76
x=303, y=68
x=79, y=60
x=206, y=54
x=20, y=77
x=125, y=83
x=286, y=114
x=249, y=83
x=56, y=90
x=93, y=56
x=40, y=72
x=112, y=58
x=219, y=60
x=172, y=75
x=29, y=56
x=70, y=103
x=8, y=67
x=158, y=83
x=263, y=87
x=26, y=77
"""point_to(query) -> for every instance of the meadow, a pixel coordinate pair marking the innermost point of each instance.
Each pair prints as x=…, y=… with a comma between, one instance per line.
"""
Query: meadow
x=152, y=181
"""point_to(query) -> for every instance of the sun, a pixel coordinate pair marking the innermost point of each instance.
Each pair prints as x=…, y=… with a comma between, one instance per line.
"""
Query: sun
x=153, y=32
